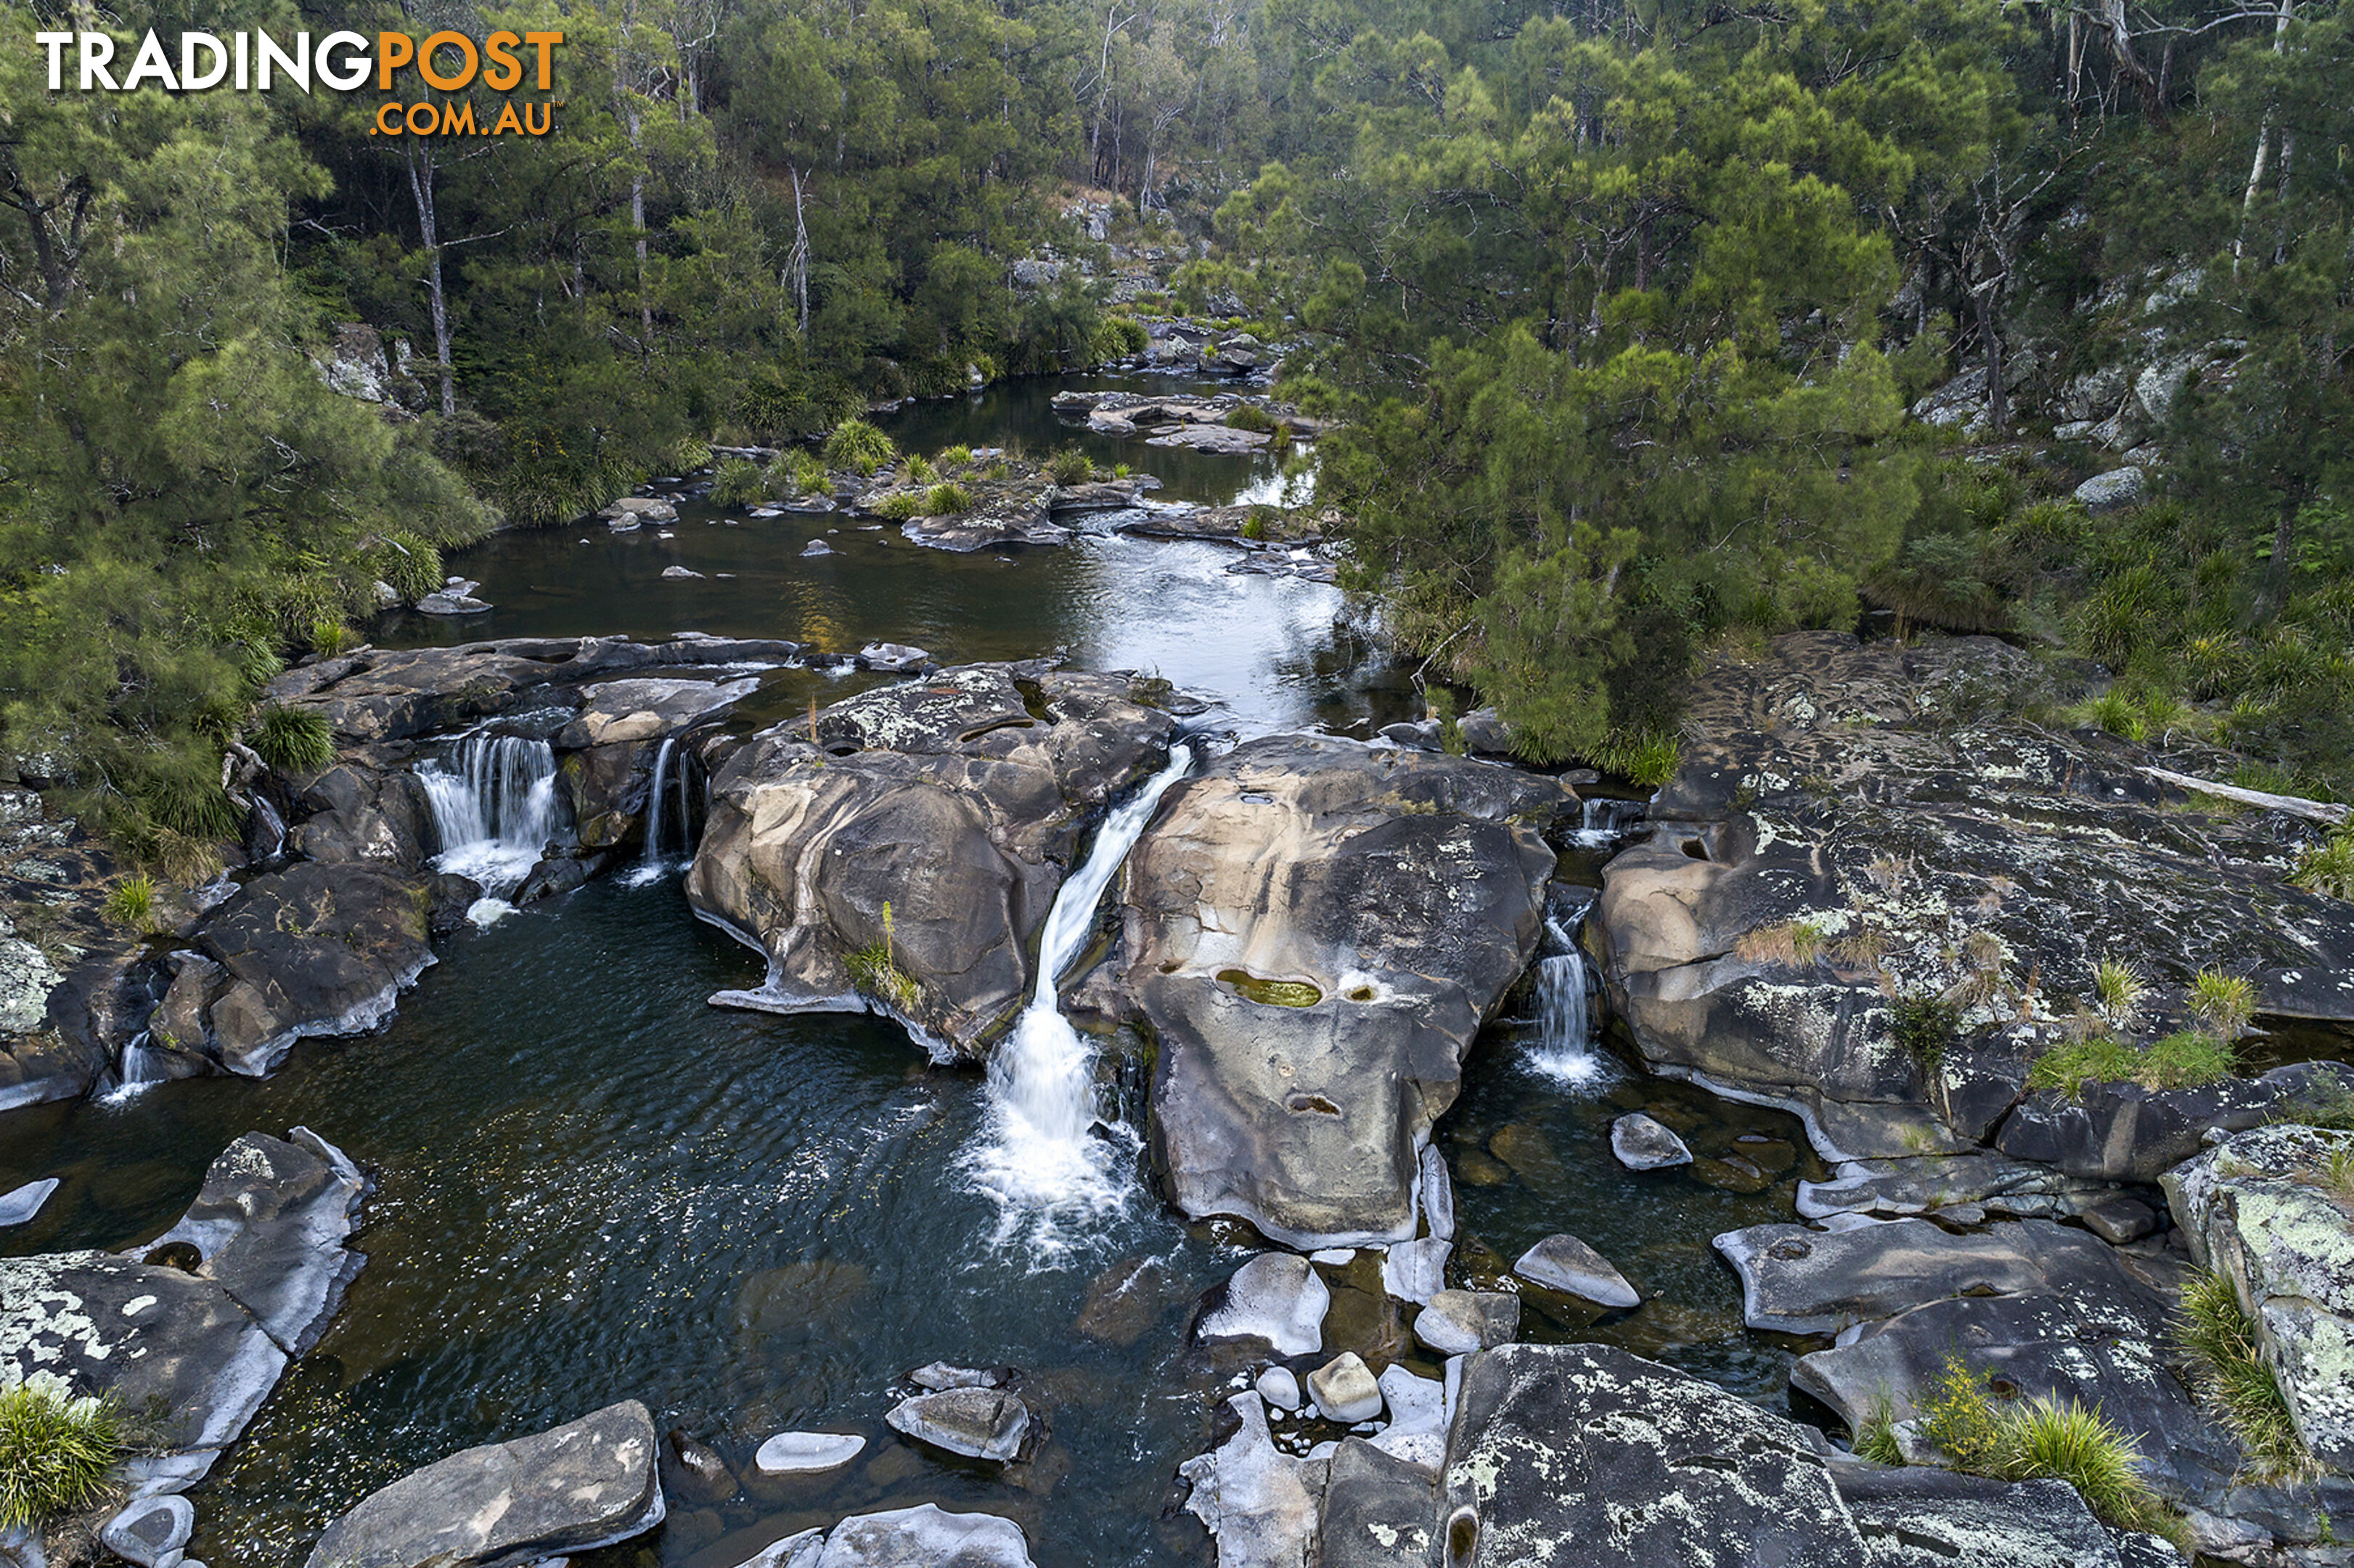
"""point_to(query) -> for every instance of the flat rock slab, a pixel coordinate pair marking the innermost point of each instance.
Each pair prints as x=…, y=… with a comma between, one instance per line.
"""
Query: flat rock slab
x=1276, y=1296
x=1460, y=1322
x=1794, y=1280
x=1642, y=1143
x=792, y=1453
x=649, y=708
x=1898, y=1187
x=980, y=1423
x=1565, y=1264
x=311, y=951
x=1253, y=1499
x=588, y=1483
x=1379, y=1510
x=1416, y=1270
x=270, y=1225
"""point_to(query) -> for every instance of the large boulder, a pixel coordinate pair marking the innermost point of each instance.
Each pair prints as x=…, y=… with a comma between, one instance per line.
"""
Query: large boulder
x=1315, y=929
x=2271, y=1211
x=2127, y=1132
x=196, y=1338
x=922, y=1537
x=315, y=949
x=1253, y=1499
x=1585, y=1456
x=586, y=1484
x=1850, y=831
x=931, y=820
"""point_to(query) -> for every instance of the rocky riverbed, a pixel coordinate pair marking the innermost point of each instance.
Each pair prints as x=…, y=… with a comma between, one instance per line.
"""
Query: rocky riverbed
x=1282, y=996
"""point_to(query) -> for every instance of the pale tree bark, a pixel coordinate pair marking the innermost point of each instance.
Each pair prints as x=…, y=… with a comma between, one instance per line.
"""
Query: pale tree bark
x=429, y=231
x=2264, y=149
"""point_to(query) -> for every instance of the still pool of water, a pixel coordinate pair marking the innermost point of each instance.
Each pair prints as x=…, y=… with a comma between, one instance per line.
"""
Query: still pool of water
x=592, y=1186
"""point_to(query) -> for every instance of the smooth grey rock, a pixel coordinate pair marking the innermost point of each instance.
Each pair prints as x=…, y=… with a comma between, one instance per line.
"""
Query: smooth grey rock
x=678, y=573
x=1276, y=1296
x=1914, y=1514
x=588, y=1483
x=1641, y=1143
x=1416, y=1270
x=925, y=1536
x=934, y=1376
x=1894, y=1188
x=1565, y=1264
x=791, y=1453
x=311, y=951
x=891, y=657
x=1407, y=889
x=1800, y=1281
x=271, y=1224
x=1344, y=1390
x=1460, y=1322
x=2126, y=1132
x=1378, y=1509
x=644, y=708
x=1251, y=1497
x=1415, y=1430
x=2263, y=1209
x=817, y=547
x=980, y=1423
x=150, y=1530
x=21, y=1205
x=1279, y=1386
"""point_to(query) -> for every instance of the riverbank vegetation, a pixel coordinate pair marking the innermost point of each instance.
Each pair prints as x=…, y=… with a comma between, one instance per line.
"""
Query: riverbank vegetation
x=1655, y=331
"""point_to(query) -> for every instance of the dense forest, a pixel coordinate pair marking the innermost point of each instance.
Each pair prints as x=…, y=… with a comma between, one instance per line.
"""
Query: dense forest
x=1653, y=328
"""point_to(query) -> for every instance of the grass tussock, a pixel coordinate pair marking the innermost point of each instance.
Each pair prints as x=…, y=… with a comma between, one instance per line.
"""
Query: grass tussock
x=2230, y=1373
x=131, y=902
x=949, y=499
x=859, y=447
x=874, y=970
x=1799, y=943
x=2185, y=1060
x=57, y=1452
x=2327, y=868
x=294, y=740
x=1645, y=758
x=2223, y=1004
x=2022, y=1440
x=2118, y=992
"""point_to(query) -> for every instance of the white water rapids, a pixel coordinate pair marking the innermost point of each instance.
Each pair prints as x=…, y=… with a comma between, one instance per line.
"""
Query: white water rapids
x=494, y=810
x=1040, y=1157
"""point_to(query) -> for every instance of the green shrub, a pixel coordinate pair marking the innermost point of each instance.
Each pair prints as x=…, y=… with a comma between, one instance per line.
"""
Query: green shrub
x=859, y=446
x=808, y=476
x=1121, y=338
x=1070, y=466
x=2182, y=1060
x=294, y=740
x=2116, y=712
x=956, y=457
x=2037, y=1439
x=948, y=501
x=1925, y=1026
x=57, y=1453
x=1250, y=417
x=2223, y=1004
x=2327, y=868
x=410, y=565
x=1644, y=757
x=874, y=970
x=329, y=638
x=921, y=471
x=181, y=792
x=2229, y=1372
x=132, y=902
x=738, y=482
x=899, y=507
x=1875, y=1440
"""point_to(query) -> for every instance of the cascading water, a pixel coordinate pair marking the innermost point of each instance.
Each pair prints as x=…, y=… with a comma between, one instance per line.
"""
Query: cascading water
x=1040, y=1159
x=1600, y=821
x=141, y=1069
x=651, y=866
x=495, y=808
x=1564, y=1050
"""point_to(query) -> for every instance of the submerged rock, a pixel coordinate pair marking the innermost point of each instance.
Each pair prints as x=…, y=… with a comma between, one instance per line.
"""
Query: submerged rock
x=922, y=1537
x=1315, y=930
x=1565, y=1264
x=151, y=1531
x=790, y=1452
x=948, y=800
x=1460, y=1322
x=586, y=1484
x=18, y=1207
x=1640, y=1143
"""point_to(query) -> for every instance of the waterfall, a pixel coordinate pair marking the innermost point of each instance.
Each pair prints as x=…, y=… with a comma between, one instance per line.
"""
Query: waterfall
x=1564, y=1050
x=495, y=808
x=1601, y=820
x=649, y=864
x=1039, y=1159
x=141, y=1069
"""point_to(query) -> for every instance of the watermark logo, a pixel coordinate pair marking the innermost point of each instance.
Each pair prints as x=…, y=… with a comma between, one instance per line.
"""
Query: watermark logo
x=444, y=62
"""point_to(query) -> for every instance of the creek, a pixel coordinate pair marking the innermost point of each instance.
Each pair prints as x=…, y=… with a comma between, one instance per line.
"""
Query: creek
x=592, y=1186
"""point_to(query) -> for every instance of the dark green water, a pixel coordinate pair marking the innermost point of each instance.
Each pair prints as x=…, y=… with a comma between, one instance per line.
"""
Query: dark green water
x=594, y=1186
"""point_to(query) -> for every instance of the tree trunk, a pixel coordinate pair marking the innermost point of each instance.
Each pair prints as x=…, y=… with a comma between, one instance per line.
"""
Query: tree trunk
x=2264, y=149
x=429, y=229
